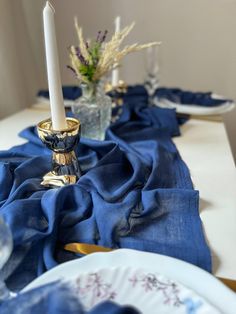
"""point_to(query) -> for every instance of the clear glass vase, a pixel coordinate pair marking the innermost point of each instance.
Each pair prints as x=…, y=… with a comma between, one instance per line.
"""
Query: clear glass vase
x=93, y=109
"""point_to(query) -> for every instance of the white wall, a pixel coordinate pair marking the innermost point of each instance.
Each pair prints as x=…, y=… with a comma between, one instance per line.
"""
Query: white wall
x=18, y=78
x=199, y=40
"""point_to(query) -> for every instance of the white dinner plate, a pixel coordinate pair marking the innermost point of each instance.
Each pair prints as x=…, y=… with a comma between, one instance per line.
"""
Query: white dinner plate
x=194, y=109
x=120, y=268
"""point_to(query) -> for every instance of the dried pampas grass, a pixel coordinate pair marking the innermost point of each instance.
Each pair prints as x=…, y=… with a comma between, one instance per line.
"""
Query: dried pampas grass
x=91, y=62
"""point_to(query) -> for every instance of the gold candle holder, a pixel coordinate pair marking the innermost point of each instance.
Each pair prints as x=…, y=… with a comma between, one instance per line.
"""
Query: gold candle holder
x=65, y=165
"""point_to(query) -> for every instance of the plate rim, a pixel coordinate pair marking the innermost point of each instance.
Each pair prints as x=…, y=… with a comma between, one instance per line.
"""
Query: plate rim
x=196, y=109
x=206, y=285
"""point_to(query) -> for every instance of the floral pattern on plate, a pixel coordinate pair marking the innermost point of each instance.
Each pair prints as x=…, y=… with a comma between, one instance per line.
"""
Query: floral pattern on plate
x=148, y=292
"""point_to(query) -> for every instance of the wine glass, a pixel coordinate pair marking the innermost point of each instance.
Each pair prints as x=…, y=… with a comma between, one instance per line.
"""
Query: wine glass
x=6, y=245
x=152, y=81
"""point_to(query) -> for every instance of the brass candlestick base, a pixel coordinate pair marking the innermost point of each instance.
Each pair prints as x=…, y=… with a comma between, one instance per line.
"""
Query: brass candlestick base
x=65, y=165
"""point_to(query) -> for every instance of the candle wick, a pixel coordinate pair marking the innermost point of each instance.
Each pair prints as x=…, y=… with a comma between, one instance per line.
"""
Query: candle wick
x=50, y=6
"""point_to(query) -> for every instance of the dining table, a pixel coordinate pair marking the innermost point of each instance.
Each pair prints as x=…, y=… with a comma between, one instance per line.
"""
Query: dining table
x=204, y=147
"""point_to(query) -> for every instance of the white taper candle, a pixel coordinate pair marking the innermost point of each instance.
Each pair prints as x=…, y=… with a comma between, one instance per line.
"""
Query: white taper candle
x=53, y=70
x=115, y=72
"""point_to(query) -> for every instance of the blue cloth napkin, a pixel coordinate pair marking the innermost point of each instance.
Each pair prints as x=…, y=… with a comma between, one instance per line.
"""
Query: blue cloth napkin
x=73, y=92
x=135, y=192
x=58, y=298
x=180, y=96
x=69, y=92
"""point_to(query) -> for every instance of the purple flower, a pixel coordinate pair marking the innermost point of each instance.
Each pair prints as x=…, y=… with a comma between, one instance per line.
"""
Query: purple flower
x=104, y=37
x=70, y=68
x=98, y=36
x=80, y=56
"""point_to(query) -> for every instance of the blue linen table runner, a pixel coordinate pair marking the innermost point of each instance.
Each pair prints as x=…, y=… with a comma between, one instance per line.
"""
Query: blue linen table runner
x=135, y=192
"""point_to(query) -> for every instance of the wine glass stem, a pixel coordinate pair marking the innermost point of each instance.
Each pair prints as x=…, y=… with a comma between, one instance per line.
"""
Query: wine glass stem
x=4, y=292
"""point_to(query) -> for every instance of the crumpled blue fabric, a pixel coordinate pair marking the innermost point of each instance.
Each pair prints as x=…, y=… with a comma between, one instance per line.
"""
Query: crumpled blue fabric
x=135, y=192
x=58, y=298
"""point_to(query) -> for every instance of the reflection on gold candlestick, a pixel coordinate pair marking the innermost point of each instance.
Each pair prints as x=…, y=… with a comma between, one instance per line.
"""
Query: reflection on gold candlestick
x=121, y=88
x=116, y=93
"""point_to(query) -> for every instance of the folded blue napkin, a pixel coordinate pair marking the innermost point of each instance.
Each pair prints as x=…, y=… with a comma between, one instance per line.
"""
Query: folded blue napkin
x=73, y=92
x=69, y=92
x=135, y=192
x=180, y=96
x=57, y=298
